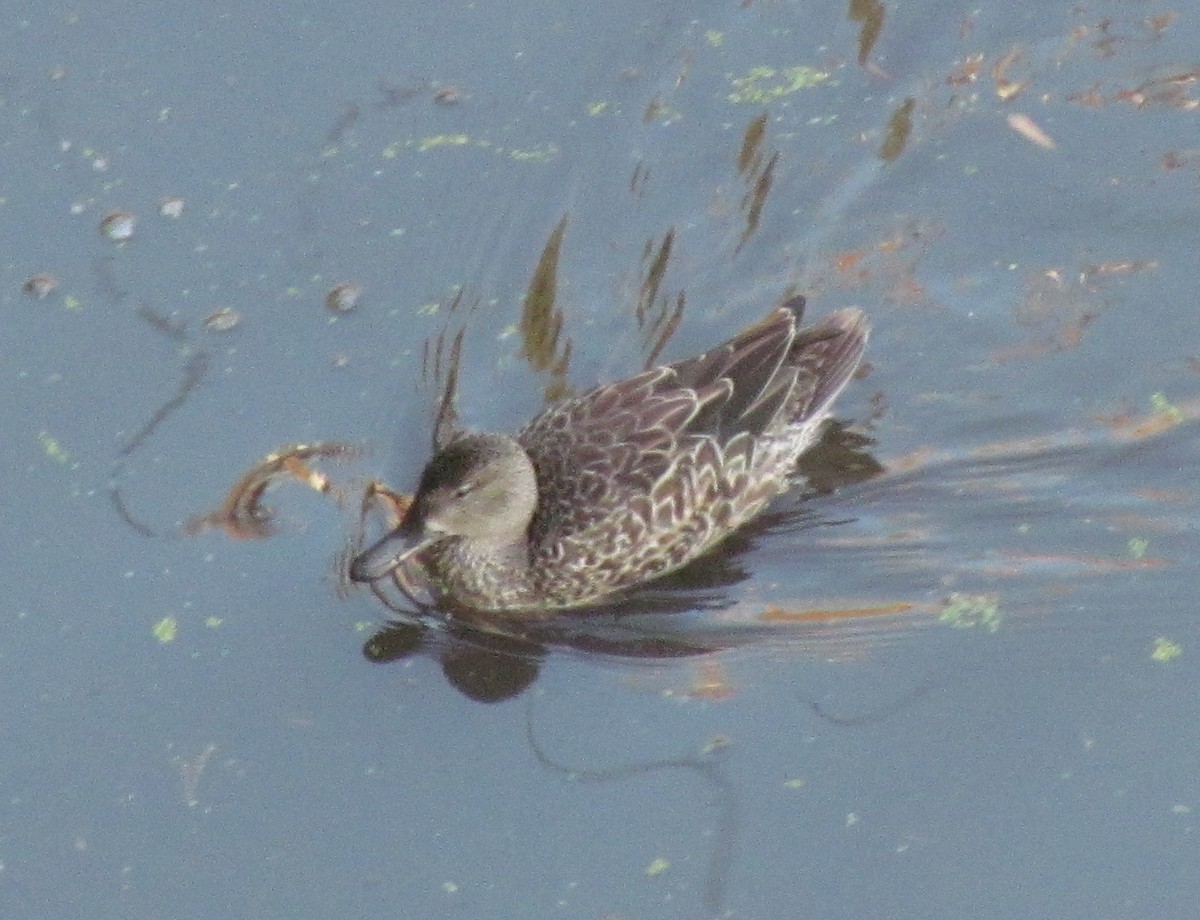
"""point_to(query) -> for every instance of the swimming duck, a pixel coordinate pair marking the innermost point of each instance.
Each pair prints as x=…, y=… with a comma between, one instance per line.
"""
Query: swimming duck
x=626, y=482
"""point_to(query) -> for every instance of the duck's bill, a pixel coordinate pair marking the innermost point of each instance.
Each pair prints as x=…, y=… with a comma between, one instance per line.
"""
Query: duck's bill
x=387, y=554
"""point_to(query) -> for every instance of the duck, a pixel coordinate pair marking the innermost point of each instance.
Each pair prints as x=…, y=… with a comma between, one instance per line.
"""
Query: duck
x=624, y=483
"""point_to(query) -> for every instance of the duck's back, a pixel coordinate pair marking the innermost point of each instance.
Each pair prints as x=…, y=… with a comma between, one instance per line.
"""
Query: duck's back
x=638, y=477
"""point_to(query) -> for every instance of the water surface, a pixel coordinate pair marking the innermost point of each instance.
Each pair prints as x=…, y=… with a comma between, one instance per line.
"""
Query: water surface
x=1009, y=191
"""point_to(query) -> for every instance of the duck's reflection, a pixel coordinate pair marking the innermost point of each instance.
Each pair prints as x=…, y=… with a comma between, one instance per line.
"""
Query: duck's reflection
x=483, y=667
x=490, y=658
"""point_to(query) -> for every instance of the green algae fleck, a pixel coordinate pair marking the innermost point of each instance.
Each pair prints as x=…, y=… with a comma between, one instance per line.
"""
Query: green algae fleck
x=166, y=629
x=1160, y=404
x=1165, y=649
x=542, y=154
x=443, y=140
x=761, y=85
x=53, y=449
x=658, y=867
x=966, y=611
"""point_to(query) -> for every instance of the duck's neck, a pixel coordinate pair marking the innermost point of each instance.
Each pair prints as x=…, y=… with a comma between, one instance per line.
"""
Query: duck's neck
x=485, y=575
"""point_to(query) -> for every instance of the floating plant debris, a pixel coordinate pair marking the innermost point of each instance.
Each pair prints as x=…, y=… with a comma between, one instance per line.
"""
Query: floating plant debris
x=41, y=285
x=966, y=611
x=166, y=630
x=344, y=297
x=1165, y=650
x=448, y=95
x=222, y=320
x=171, y=206
x=1029, y=129
x=242, y=515
x=193, y=373
x=118, y=226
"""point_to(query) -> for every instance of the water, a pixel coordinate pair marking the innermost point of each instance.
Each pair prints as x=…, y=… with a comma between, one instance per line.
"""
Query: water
x=1032, y=397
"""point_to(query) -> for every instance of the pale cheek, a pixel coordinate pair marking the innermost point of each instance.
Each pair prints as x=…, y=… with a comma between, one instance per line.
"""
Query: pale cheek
x=469, y=515
x=495, y=501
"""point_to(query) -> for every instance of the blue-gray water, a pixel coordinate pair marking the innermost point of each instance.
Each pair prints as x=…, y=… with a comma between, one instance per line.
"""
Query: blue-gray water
x=1032, y=394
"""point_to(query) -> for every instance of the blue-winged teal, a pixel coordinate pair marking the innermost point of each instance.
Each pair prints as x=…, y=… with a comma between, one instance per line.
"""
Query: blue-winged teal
x=626, y=482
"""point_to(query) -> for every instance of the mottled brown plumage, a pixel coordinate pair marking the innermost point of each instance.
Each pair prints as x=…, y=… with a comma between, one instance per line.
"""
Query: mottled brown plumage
x=626, y=482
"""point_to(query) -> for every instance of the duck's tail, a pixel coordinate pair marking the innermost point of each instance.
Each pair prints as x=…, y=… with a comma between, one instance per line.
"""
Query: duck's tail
x=825, y=356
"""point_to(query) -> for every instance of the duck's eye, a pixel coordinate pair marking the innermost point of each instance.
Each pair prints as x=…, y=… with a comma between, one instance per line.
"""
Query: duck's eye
x=464, y=490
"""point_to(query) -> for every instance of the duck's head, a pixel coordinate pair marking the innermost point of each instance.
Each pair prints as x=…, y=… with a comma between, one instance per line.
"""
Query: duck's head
x=480, y=487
